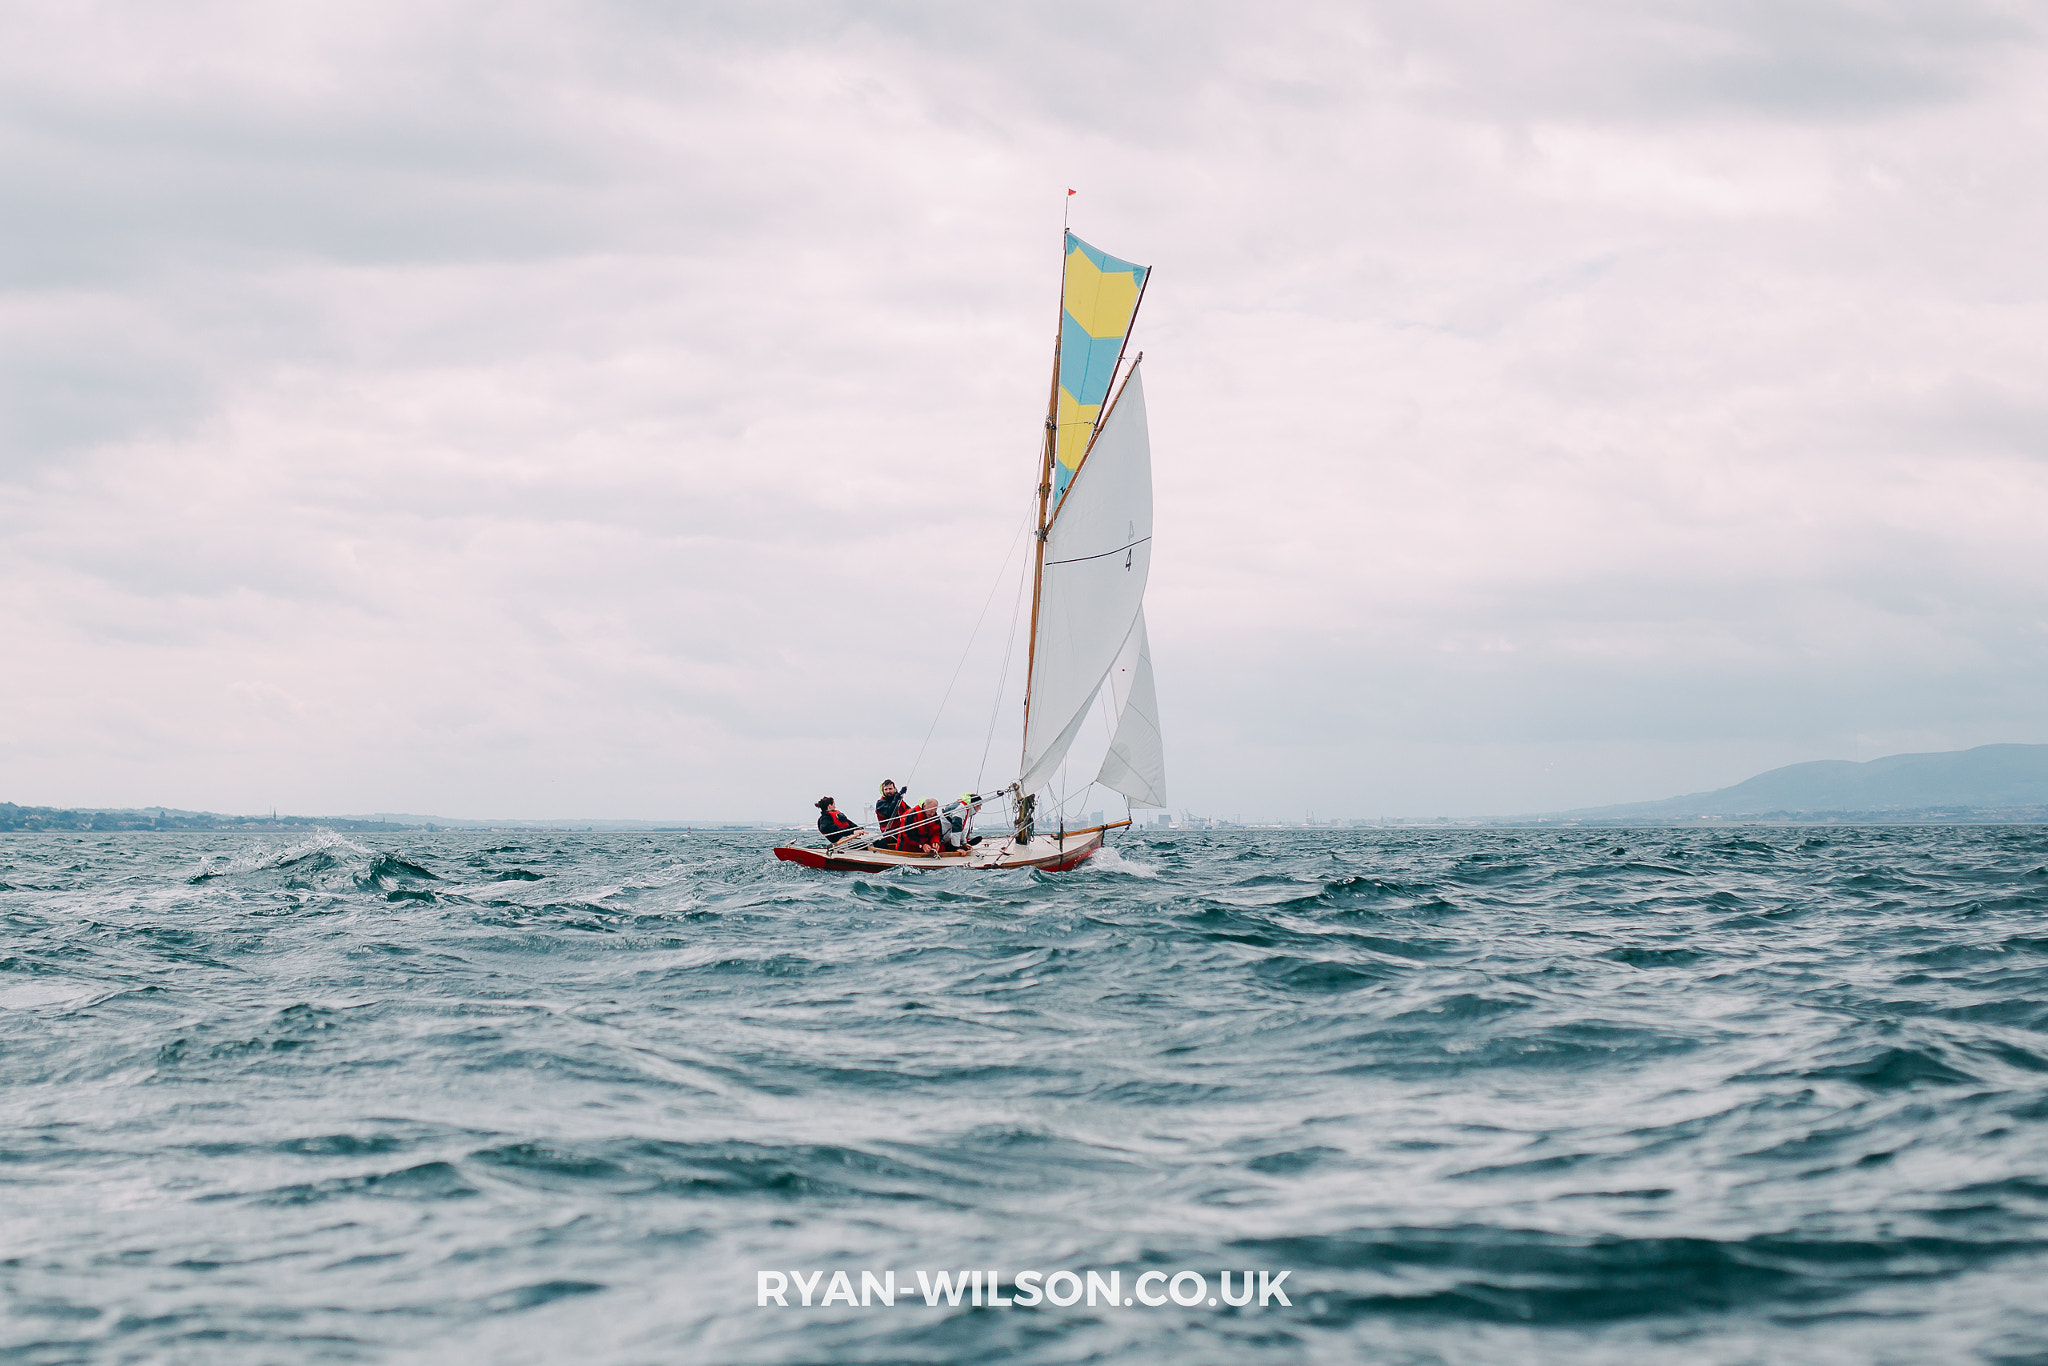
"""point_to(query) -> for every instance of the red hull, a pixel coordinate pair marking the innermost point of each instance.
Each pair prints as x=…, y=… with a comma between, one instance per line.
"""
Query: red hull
x=1046, y=854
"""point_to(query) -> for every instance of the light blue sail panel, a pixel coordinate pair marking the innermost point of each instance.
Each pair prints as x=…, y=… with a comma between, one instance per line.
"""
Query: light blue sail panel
x=1086, y=363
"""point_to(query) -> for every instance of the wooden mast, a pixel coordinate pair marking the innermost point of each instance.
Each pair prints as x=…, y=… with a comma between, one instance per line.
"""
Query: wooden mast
x=1052, y=431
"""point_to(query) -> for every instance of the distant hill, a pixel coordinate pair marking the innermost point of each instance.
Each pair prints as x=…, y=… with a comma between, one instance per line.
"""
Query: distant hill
x=1988, y=783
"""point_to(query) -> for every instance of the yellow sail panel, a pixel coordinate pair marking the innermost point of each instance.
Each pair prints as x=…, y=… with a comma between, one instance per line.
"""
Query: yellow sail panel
x=1073, y=424
x=1099, y=298
x=1101, y=301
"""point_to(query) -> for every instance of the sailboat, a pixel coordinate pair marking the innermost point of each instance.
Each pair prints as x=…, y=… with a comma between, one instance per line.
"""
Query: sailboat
x=1091, y=558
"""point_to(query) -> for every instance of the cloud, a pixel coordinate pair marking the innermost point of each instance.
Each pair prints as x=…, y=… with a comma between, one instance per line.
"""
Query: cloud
x=628, y=412
x=1798, y=60
x=81, y=369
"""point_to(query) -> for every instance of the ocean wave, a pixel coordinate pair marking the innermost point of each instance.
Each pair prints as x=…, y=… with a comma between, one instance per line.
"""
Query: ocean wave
x=1534, y=1276
x=1110, y=859
x=1652, y=1097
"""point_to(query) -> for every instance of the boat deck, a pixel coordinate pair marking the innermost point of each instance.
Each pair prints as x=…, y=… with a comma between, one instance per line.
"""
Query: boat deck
x=1048, y=853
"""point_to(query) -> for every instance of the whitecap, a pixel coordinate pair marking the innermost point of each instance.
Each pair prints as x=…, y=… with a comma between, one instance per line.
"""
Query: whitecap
x=1108, y=860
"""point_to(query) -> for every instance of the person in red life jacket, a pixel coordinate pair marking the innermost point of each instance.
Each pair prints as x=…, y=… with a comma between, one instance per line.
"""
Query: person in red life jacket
x=922, y=829
x=832, y=822
x=889, y=813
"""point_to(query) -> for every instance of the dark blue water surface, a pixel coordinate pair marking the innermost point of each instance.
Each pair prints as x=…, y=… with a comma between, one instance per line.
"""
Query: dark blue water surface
x=1764, y=1095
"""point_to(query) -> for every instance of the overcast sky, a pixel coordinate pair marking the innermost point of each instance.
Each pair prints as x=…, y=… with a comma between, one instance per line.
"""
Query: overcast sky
x=624, y=410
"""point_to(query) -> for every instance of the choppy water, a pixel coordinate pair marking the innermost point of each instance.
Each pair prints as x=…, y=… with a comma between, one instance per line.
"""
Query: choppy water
x=1576, y=1097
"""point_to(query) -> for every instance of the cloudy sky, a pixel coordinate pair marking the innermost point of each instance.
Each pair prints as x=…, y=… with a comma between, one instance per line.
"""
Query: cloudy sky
x=625, y=410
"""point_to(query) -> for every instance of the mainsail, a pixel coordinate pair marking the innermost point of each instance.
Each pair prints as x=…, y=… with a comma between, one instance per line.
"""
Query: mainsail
x=1096, y=557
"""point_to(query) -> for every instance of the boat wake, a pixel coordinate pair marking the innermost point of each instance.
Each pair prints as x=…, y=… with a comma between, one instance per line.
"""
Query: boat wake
x=1110, y=859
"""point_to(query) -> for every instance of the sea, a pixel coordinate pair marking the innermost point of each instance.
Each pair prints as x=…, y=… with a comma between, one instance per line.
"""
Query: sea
x=1758, y=1094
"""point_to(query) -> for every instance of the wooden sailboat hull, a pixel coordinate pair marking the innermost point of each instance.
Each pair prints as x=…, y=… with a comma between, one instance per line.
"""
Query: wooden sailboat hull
x=1048, y=853
x=1091, y=560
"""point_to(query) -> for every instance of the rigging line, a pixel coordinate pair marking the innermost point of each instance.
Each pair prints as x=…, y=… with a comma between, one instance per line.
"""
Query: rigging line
x=1077, y=798
x=1113, y=719
x=971, y=635
x=1110, y=716
x=1109, y=723
x=1060, y=804
x=1079, y=559
x=1002, y=679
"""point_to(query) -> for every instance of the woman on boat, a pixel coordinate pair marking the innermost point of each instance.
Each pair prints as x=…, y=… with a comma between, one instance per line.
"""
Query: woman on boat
x=832, y=824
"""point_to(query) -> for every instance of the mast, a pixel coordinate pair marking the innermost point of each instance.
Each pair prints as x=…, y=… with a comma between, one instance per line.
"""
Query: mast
x=1052, y=430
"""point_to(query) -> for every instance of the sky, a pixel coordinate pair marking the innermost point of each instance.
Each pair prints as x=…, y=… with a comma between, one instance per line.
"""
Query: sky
x=625, y=410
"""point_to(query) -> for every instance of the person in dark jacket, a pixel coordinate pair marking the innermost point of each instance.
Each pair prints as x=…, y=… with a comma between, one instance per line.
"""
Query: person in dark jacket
x=889, y=811
x=832, y=823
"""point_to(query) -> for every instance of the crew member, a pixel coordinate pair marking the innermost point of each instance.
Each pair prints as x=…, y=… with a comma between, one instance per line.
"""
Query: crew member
x=922, y=831
x=958, y=818
x=832, y=823
x=889, y=812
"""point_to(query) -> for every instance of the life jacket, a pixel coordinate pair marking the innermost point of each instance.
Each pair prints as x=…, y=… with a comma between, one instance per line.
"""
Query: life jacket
x=833, y=825
x=889, y=813
x=920, y=827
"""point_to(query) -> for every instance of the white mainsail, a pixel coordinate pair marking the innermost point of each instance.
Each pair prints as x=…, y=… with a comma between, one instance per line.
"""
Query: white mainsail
x=1098, y=554
x=1136, y=762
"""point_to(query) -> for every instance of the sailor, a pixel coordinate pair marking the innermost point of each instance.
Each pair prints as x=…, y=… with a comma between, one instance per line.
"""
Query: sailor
x=958, y=818
x=923, y=832
x=832, y=823
x=889, y=811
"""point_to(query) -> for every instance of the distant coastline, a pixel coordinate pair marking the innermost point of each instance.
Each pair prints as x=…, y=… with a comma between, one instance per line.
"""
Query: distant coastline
x=13, y=817
x=1965, y=815
x=1987, y=785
